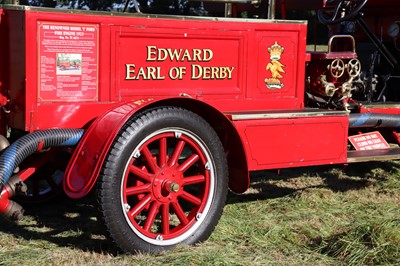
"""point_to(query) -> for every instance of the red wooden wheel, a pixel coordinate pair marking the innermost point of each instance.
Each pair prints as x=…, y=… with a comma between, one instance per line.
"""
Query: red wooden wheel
x=169, y=169
x=166, y=193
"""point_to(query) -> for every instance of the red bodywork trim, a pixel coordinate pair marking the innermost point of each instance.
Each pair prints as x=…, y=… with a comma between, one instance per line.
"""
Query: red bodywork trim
x=85, y=164
x=273, y=143
x=4, y=200
x=381, y=109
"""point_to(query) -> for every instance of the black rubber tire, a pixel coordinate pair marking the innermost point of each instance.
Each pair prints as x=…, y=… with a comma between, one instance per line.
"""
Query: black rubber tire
x=115, y=175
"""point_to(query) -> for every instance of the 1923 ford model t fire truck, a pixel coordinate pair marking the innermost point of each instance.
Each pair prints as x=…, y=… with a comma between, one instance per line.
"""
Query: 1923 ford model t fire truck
x=165, y=113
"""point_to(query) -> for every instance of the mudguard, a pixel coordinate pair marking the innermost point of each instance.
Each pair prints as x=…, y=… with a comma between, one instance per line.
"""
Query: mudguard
x=84, y=167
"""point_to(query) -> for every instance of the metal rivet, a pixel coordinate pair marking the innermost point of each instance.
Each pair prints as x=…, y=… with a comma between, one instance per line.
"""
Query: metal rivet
x=178, y=135
x=159, y=238
x=136, y=154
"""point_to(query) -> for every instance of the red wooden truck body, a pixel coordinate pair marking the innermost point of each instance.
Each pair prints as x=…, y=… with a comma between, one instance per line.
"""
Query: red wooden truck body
x=246, y=78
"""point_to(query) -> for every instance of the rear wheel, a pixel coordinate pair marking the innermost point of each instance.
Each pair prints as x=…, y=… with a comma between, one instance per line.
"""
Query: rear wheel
x=164, y=181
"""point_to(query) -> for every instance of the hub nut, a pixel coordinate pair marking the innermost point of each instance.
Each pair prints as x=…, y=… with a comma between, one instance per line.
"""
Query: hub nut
x=174, y=187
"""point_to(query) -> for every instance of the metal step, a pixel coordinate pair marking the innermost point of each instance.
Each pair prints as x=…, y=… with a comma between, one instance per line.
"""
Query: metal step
x=373, y=155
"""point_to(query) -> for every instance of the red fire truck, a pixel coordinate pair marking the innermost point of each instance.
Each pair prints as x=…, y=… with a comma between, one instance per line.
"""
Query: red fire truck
x=166, y=113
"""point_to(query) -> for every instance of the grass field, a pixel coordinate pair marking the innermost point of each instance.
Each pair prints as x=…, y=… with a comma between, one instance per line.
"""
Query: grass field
x=306, y=216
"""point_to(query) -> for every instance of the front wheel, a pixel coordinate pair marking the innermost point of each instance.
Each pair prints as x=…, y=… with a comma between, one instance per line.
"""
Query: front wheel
x=164, y=181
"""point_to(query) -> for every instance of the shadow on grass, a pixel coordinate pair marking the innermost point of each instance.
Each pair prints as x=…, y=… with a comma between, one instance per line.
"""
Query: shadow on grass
x=346, y=178
x=64, y=222
x=69, y=223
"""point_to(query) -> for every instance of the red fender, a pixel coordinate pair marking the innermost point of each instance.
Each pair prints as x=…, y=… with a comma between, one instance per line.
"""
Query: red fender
x=85, y=164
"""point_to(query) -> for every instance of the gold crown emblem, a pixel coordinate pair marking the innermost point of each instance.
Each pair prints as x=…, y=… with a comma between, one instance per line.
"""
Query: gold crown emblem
x=275, y=51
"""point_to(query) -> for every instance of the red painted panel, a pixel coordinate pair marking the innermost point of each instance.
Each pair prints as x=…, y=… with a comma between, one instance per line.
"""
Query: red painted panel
x=231, y=79
x=277, y=64
x=17, y=67
x=190, y=61
x=279, y=143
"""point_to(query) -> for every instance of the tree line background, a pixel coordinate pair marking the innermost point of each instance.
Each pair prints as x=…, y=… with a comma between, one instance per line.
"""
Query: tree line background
x=317, y=32
x=177, y=7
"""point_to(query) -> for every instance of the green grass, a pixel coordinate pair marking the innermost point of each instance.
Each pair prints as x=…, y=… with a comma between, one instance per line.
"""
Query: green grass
x=306, y=216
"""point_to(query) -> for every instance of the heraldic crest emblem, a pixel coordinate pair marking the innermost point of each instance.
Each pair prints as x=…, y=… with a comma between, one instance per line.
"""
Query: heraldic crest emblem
x=275, y=67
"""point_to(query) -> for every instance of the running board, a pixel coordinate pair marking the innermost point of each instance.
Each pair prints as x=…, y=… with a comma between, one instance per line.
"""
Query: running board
x=285, y=114
x=373, y=155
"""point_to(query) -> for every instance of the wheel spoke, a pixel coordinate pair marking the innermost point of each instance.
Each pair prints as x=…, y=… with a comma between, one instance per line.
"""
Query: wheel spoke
x=150, y=160
x=140, y=206
x=162, y=156
x=138, y=190
x=190, y=198
x=188, y=163
x=177, y=153
x=141, y=174
x=190, y=180
x=165, y=219
x=180, y=213
x=151, y=216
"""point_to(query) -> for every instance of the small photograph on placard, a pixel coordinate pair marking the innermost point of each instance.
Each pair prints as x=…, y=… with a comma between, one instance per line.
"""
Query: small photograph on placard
x=69, y=64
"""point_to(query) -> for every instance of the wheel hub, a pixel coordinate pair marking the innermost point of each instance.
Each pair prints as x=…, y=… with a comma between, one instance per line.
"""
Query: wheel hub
x=172, y=187
x=167, y=185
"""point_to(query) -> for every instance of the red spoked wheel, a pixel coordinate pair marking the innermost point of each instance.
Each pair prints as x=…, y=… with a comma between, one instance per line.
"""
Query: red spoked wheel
x=169, y=171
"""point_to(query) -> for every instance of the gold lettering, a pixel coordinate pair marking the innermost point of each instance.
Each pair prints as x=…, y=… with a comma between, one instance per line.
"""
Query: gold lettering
x=208, y=73
x=230, y=70
x=177, y=73
x=186, y=55
x=179, y=55
x=151, y=72
x=141, y=73
x=196, y=55
x=162, y=54
x=151, y=53
x=130, y=70
x=158, y=75
x=197, y=72
x=207, y=55
x=214, y=73
x=175, y=54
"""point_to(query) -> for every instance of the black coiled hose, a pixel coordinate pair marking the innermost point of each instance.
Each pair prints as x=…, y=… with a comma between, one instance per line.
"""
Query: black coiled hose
x=17, y=152
x=373, y=120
